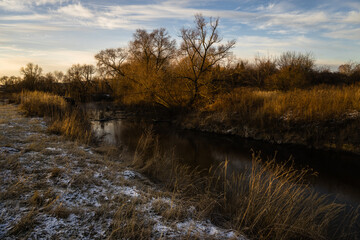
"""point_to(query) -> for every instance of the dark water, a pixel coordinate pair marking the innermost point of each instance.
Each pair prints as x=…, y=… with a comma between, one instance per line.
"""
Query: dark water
x=338, y=172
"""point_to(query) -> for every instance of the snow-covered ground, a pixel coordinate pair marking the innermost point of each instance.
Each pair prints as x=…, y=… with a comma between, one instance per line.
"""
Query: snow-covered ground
x=54, y=188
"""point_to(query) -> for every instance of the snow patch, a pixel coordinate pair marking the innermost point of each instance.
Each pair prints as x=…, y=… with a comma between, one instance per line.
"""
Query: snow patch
x=128, y=174
x=9, y=150
x=203, y=228
x=54, y=149
x=77, y=199
x=129, y=191
x=159, y=227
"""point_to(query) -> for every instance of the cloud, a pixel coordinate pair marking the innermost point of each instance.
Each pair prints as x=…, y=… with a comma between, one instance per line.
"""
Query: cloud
x=75, y=10
x=25, y=5
x=28, y=28
x=353, y=17
x=349, y=34
x=25, y=17
x=13, y=6
x=49, y=60
x=268, y=43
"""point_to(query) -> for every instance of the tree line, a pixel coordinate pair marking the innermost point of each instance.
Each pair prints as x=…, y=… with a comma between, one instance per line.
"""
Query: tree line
x=154, y=69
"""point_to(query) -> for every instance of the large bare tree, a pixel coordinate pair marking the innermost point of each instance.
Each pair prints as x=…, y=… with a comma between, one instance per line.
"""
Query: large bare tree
x=154, y=50
x=32, y=74
x=150, y=55
x=202, y=48
x=110, y=62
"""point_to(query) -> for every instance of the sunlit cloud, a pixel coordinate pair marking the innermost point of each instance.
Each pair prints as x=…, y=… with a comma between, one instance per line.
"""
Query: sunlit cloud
x=29, y=27
x=25, y=17
x=49, y=60
x=350, y=34
x=353, y=17
x=75, y=10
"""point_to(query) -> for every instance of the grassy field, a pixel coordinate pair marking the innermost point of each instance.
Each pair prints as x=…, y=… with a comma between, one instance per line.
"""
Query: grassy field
x=54, y=188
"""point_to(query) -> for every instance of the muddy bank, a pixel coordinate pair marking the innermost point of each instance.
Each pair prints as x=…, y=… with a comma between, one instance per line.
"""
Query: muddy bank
x=340, y=135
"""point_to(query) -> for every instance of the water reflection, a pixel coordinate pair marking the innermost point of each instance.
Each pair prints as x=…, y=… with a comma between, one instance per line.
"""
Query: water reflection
x=338, y=172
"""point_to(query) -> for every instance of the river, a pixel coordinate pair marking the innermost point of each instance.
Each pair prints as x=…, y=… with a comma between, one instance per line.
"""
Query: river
x=337, y=172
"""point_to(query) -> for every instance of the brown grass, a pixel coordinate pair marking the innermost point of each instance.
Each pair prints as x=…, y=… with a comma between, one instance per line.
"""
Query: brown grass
x=16, y=189
x=169, y=210
x=26, y=223
x=62, y=212
x=128, y=223
x=69, y=121
x=267, y=201
x=321, y=103
x=56, y=172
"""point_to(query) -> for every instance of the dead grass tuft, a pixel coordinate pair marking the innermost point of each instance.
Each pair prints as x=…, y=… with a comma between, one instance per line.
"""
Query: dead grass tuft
x=16, y=189
x=56, y=172
x=62, y=211
x=66, y=120
x=37, y=199
x=129, y=223
x=169, y=210
x=35, y=147
x=25, y=224
x=83, y=179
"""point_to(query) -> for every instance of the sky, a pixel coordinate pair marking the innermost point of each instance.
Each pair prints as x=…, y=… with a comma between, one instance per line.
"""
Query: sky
x=58, y=33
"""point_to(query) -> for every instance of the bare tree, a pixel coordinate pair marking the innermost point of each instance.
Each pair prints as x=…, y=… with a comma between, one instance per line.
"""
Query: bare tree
x=150, y=57
x=31, y=71
x=88, y=72
x=202, y=48
x=264, y=68
x=299, y=61
x=59, y=76
x=110, y=62
x=154, y=50
x=32, y=74
x=349, y=68
x=74, y=73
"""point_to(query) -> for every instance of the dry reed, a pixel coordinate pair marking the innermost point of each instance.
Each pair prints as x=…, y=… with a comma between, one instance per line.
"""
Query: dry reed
x=67, y=120
x=321, y=103
x=267, y=201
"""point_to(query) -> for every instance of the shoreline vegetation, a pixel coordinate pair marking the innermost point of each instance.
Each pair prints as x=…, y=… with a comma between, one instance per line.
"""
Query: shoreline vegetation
x=323, y=117
x=267, y=201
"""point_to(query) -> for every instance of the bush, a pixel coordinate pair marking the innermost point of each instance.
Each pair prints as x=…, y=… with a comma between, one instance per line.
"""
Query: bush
x=65, y=119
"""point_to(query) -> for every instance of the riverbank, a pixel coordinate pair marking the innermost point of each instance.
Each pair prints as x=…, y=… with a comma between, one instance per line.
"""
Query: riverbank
x=255, y=201
x=321, y=117
x=332, y=134
x=55, y=188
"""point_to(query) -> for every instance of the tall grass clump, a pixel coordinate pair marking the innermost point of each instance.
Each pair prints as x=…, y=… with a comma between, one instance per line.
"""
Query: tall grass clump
x=320, y=103
x=273, y=201
x=67, y=120
x=265, y=201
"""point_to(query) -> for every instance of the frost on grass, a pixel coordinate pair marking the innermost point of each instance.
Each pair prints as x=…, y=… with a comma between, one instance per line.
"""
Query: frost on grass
x=128, y=175
x=55, y=189
x=9, y=150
